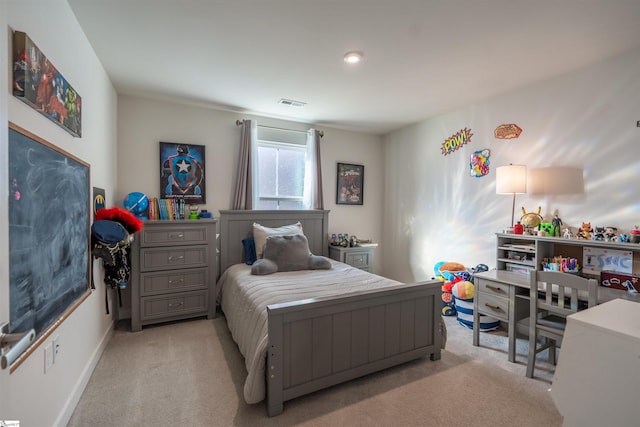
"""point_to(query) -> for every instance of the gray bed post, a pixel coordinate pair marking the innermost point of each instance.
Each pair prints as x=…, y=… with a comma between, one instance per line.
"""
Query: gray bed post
x=274, y=368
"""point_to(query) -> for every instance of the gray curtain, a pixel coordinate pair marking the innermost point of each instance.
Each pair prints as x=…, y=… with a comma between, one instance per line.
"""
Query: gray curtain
x=243, y=197
x=315, y=199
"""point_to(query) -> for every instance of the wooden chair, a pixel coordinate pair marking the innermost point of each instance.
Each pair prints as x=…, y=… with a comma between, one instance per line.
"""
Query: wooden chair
x=554, y=296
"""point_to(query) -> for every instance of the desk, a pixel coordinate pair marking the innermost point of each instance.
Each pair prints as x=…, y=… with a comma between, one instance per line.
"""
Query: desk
x=503, y=295
x=598, y=372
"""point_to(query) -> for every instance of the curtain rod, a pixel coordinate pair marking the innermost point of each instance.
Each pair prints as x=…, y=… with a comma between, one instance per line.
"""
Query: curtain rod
x=240, y=122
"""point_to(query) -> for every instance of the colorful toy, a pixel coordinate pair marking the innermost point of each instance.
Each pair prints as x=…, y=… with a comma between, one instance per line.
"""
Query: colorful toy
x=531, y=219
x=585, y=231
x=610, y=234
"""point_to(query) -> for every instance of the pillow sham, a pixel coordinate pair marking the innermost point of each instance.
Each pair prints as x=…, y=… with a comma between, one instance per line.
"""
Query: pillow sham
x=288, y=253
x=260, y=234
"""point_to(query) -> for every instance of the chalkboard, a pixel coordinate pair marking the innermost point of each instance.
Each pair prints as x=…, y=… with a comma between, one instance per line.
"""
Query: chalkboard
x=49, y=233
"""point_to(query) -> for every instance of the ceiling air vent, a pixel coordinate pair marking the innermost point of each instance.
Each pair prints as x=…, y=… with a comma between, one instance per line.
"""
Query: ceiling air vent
x=292, y=103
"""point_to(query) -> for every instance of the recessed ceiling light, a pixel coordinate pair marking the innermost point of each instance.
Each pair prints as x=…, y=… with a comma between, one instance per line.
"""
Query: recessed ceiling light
x=353, y=57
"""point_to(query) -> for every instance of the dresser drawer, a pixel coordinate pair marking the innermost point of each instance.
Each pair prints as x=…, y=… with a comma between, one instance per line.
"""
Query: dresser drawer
x=173, y=236
x=174, y=280
x=493, y=305
x=172, y=258
x=174, y=305
x=357, y=259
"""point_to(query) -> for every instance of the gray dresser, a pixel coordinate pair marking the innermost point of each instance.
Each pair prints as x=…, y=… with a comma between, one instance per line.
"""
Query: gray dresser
x=173, y=271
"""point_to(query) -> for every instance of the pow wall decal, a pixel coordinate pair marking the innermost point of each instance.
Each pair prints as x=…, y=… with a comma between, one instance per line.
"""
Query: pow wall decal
x=507, y=131
x=479, y=164
x=456, y=141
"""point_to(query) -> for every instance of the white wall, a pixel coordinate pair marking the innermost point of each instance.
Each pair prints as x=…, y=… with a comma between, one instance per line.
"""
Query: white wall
x=29, y=395
x=143, y=123
x=435, y=211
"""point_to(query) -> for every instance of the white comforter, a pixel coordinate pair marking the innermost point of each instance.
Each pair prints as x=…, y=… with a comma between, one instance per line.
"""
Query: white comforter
x=244, y=298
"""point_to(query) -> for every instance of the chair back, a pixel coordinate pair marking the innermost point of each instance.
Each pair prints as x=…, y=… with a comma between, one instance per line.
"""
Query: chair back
x=562, y=293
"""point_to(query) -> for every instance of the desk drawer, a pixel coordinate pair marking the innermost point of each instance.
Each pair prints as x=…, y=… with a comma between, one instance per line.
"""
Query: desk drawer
x=492, y=288
x=493, y=305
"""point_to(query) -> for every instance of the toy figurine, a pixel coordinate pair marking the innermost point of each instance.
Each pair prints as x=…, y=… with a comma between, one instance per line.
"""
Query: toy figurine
x=585, y=231
x=598, y=233
x=531, y=219
x=610, y=234
x=556, y=222
x=567, y=233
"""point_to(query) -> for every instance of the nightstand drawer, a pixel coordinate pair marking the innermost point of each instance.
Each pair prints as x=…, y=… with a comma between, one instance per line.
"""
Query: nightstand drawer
x=493, y=305
x=177, y=235
x=357, y=259
x=173, y=305
x=170, y=258
x=172, y=281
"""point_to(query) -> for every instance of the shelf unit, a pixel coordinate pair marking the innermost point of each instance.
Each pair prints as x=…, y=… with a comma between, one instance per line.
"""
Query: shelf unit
x=533, y=249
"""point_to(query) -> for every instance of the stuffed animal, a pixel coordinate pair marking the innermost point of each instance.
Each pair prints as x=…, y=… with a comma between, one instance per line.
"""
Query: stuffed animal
x=449, y=273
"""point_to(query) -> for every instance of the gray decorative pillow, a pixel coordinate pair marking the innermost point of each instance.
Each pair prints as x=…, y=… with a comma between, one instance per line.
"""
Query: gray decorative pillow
x=288, y=253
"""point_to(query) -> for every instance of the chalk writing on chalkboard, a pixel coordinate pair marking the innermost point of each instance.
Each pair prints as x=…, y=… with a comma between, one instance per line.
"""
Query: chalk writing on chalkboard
x=49, y=233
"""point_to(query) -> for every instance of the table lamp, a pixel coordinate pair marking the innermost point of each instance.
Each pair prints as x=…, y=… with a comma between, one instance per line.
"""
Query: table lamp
x=511, y=179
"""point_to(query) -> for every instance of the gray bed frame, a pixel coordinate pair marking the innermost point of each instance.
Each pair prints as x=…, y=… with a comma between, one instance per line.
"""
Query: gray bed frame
x=320, y=342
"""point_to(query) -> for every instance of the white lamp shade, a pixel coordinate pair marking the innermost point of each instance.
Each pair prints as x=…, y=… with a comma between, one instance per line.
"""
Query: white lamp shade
x=511, y=179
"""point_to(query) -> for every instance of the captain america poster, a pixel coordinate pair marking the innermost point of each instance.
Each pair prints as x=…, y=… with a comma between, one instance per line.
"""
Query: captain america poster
x=182, y=172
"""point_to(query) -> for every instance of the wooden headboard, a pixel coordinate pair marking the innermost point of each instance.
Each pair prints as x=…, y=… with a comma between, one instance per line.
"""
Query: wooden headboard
x=236, y=225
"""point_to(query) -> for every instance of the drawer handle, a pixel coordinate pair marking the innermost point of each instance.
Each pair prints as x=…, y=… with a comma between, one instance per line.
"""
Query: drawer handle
x=171, y=258
x=175, y=282
x=171, y=305
x=495, y=289
x=176, y=236
x=493, y=307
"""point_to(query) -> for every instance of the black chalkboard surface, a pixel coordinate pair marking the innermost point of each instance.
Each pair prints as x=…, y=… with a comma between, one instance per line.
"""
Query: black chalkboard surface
x=49, y=232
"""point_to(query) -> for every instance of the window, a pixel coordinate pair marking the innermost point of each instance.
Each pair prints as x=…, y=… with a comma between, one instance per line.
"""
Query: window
x=280, y=169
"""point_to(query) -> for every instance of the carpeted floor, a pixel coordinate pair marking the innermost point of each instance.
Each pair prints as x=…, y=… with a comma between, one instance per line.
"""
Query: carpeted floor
x=191, y=374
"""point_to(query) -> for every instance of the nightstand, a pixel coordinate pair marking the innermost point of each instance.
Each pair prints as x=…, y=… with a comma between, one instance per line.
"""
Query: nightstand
x=358, y=256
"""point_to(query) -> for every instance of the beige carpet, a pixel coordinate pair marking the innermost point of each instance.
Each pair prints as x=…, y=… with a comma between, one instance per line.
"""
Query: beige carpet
x=191, y=374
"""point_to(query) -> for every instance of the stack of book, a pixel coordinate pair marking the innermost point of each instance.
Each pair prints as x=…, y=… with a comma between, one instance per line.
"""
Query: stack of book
x=166, y=209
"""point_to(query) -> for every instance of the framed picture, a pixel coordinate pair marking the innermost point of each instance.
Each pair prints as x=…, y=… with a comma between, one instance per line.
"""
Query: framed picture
x=182, y=172
x=38, y=83
x=350, y=188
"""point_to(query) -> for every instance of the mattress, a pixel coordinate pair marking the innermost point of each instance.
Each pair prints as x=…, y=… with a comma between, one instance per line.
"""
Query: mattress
x=244, y=299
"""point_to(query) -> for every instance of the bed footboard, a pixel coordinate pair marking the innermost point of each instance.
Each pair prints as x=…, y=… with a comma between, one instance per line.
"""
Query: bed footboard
x=317, y=343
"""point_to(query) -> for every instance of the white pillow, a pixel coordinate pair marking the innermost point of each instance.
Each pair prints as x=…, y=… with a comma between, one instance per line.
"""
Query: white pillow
x=260, y=234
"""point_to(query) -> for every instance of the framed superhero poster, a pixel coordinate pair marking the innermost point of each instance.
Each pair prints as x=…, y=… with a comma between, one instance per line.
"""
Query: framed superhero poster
x=350, y=189
x=182, y=172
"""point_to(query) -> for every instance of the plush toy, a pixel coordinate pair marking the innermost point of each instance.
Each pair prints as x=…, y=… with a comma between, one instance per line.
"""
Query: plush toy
x=449, y=273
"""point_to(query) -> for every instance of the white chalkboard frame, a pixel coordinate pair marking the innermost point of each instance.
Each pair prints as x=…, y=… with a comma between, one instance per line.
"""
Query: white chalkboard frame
x=49, y=235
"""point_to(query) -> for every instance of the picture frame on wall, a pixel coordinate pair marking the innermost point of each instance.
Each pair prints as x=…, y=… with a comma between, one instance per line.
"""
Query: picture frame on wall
x=182, y=172
x=350, y=184
x=39, y=84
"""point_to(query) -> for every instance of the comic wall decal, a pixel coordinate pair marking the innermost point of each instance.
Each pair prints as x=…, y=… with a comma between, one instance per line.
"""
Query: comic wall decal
x=479, y=163
x=456, y=141
x=507, y=131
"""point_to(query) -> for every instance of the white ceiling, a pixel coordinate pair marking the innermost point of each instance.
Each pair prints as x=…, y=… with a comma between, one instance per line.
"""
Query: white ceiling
x=421, y=57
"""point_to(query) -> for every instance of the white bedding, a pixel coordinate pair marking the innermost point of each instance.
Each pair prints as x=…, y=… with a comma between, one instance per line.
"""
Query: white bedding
x=244, y=299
